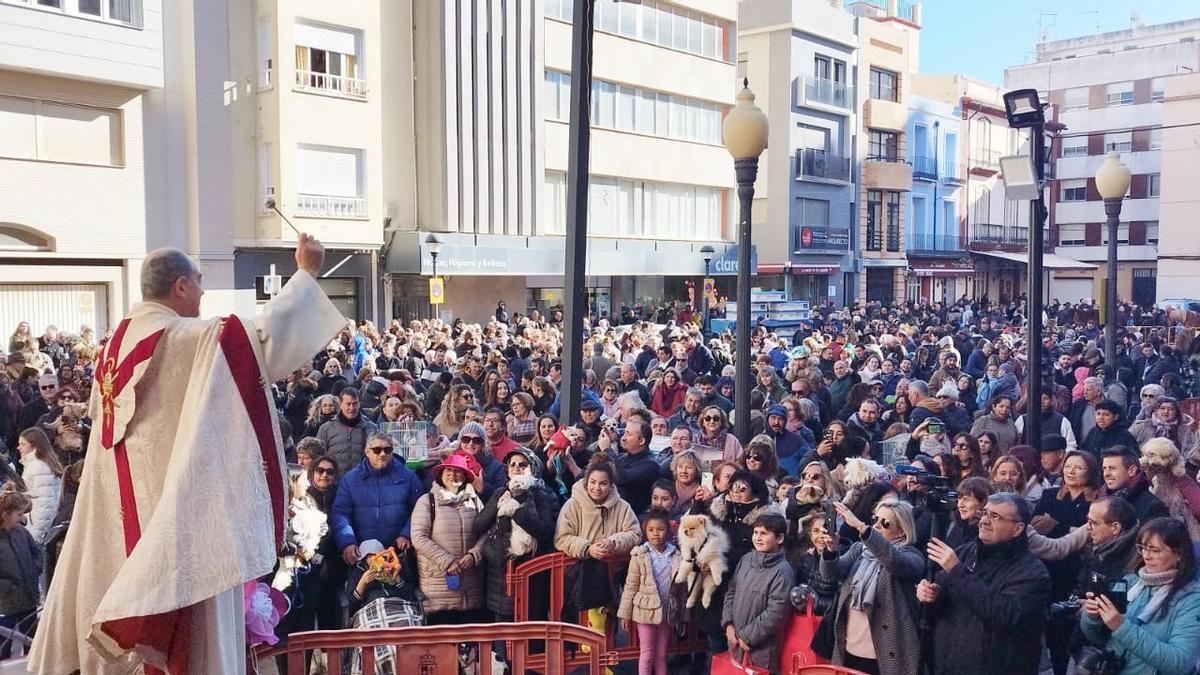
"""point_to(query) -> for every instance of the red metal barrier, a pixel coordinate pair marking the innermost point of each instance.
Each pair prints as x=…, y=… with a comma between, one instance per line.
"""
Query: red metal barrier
x=557, y=564
x=433, y=650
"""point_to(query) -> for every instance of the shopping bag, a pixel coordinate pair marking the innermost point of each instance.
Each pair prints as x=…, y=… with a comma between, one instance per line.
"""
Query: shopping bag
x=724, y=664
x=797, y=640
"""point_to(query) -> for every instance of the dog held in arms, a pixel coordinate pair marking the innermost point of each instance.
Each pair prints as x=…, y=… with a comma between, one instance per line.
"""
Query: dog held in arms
x=702, y=545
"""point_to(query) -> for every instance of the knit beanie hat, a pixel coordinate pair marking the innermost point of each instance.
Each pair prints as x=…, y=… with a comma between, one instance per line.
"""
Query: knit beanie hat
x=476, y=429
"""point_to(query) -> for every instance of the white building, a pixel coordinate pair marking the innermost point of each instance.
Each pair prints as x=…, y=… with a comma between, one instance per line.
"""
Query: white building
x=75, y=80
x=1109, y=88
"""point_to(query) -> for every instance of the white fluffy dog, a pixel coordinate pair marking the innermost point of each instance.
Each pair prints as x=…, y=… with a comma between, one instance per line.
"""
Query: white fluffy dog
x=520, y=542
x=1165, y=466
x=701, y=544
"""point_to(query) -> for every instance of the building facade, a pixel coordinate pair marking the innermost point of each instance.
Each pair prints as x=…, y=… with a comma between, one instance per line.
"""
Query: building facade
x=1110, y=89
x=1179, y=247
x=75, y=78
x=935, y=243
x=801, y=57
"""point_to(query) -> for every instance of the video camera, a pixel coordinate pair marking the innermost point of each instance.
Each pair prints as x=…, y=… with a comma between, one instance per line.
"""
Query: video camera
x=939, y=498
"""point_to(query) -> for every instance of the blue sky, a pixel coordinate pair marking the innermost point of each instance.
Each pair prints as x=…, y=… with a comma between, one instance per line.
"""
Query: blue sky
x=981, y=37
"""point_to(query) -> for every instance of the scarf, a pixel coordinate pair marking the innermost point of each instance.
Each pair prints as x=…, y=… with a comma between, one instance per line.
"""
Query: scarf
x=865, y=581
x=350, y=422
x=1159, y=585
x=1116, y=545
x=1163, y=429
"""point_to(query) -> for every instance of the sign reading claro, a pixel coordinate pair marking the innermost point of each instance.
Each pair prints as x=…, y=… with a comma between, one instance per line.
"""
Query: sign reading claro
x=724, y=265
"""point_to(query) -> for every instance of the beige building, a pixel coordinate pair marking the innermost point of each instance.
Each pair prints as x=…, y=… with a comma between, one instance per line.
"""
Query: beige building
x=1179, y=247
x=75, y=80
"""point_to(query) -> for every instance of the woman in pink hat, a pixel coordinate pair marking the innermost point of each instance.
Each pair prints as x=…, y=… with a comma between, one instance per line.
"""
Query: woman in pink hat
x=448, y=553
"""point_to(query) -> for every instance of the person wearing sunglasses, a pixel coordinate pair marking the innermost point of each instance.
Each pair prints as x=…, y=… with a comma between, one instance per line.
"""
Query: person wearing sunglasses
x=759, y=459
x=516, y=524
x=488, y=471
x=715, y=433
x=322, y=585
x=876, y=623
x=453, y=413
x=375, y=500
x=47, y=386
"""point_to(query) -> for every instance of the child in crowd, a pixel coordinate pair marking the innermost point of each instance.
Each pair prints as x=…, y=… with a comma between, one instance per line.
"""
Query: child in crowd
x=756, y=606
x=20, y=567
x=785, y=486
x=650, y=599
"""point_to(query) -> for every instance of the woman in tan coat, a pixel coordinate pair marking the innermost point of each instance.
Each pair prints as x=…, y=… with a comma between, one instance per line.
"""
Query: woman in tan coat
x=448, y=554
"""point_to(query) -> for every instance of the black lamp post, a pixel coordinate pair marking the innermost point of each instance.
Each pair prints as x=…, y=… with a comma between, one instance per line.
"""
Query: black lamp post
x=434, y=244
x=1112, y=181
x=706, y=252
x=1024, y=110
x=744, y=132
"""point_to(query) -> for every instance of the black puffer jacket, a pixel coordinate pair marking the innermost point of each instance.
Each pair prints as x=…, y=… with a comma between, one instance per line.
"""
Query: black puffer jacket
x=989, y=611
x=537, y=515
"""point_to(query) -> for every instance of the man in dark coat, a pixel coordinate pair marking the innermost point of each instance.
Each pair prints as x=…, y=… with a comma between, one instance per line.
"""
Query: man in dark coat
x=1124, y=478
x=1110, y=431
x=989, y=601
x=636, y=467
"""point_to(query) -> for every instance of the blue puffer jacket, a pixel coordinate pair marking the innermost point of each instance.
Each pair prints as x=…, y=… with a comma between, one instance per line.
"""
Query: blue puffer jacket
x=1167, y=645
x=374, y=504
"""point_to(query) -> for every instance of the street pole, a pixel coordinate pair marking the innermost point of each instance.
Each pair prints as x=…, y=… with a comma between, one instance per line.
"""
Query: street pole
x=1037, y=223
x=432, y=306
x=704, y=292
x=1112, y=210
x=578, y=149
x=747, y=171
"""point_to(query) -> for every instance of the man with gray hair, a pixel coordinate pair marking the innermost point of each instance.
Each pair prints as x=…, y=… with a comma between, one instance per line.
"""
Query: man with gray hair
x=991, y=591
x=1083, y=411
x=180, y=400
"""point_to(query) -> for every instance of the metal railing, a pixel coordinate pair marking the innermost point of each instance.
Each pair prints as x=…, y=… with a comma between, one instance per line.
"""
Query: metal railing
x=328, y=206
x=878, y=9
x=813, y=163
x=936, y=243
x=340, y=85
x=925, y=167
x=893, y=237
x=874, y=238
x=891, y=159
x=828, y=92
x=999, y=235
x=986, y=158
x=951, y=173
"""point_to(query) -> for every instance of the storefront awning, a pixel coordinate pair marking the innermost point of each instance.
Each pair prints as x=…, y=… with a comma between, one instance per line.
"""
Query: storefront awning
x=1050, y=261
x=771, y=268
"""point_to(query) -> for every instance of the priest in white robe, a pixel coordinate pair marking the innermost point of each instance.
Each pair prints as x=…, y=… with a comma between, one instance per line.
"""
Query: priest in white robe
x=183, y=492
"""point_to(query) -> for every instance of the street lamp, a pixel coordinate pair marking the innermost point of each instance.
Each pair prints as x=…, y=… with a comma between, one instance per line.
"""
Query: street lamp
x=1025, y=111
x=706, y=253
x=1112, y=181
x=434, y=244
x=744, y=133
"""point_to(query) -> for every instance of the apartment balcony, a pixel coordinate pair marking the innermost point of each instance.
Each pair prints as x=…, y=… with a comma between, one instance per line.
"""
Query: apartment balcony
x=887, y=173
x=924, y=168
x=952, y=174
x=818, y=165
x=986, y=159
x=989, y=236
x=822, y=238
x=331, y=85
x=826, y=92
x=885, y=115
x=329, y=206
x=879, y=9
x=937, y=245
x=877, y=236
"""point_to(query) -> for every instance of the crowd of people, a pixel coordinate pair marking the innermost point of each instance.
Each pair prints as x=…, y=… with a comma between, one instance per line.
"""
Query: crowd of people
x=888, y=478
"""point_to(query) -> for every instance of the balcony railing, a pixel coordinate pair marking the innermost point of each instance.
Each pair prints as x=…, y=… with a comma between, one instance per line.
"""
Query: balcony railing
x=893, y=237
x=988, y=234
x=822, y=238
x=813, y=163
x=327, y=206
x=828, y=92
x=891, y=159
x=924, y=168
x=985, y=158
x=951, y=173
x=338, y=85
x=937, y=244
x=878, y=9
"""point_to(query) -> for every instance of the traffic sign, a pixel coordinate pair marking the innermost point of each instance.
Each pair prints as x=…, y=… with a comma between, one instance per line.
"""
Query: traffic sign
x=710, y=289
x=437, y=290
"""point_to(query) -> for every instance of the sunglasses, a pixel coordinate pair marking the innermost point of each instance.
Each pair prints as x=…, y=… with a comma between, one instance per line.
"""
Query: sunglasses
x=470, y=440
x=519, y=465
x=960, y=444
x=49, y=387
x=753, y=458
x=381, y=450
x=883, y=522
x=320, y=470
x=467, y=397
x=811, y=476
x=712, y=418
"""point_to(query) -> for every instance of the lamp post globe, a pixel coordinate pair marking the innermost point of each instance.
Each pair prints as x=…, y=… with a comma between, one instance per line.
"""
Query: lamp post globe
x=1112, y=182
x=744, y=133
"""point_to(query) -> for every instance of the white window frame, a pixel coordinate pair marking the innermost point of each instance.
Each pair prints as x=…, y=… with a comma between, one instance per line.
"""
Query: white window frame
x=42, y=148
x=1075, y=98
x=1157, y=89
x=1074, y=190
x=1075, y=146
x=1072, y=234
x=1152, y=232
x=1155, y=140
x=1118, y=141
x=1119, y=93
x=72, y=8
x=348, y=82
x=1153, y=185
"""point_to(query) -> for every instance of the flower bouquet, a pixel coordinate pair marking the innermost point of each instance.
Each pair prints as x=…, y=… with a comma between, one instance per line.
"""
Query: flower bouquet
x=386, y=566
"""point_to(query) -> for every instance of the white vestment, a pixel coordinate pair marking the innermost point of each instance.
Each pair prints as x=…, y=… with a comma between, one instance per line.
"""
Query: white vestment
x=198, y=441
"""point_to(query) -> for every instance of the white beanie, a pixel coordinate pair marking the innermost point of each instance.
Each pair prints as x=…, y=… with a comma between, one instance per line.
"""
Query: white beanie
x=948, y=390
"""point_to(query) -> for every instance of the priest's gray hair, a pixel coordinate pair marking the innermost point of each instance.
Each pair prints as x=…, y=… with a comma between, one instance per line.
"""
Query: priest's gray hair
x=160, y=270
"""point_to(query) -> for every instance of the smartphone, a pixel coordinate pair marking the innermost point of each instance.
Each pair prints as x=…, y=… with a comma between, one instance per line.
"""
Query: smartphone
x=828, y=435
x=706, y=481
x=934, y=428
x=1118, y=593
x=830, y=518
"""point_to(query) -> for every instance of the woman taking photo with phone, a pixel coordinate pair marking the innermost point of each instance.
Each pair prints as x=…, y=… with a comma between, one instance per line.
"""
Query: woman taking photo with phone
x=1158, y=632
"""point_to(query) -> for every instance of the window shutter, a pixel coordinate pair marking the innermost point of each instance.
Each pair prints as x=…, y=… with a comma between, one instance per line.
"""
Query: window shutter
x=18, y=127
x=1095, y=144
x=1141, y=91
x=75, y=134
x=1141, y=140
x=327, y=171
x=1137, y=233
x=1138, y=186
x=330, y=39
x=1091, y=234
x=1093, y=193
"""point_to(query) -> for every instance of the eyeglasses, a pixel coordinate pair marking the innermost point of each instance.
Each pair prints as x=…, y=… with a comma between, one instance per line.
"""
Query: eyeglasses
x=320, y=470
x=960, y=444
x=739, y=488
x=754, y=458
x=883, y=522
x=519, y=465
x=470, y=440
x=381, y=450
x=1143, y=549
x=49, y=387
x=467, y=397
x=1147, y=395
x=711, y=418
x=993, y=515
x=811, y=476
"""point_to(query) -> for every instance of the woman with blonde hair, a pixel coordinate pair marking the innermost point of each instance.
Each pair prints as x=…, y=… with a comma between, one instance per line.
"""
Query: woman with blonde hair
x=687, y=469
x=454, y=409
x=522, y=422
x=17, y=341
x=321, y=410
x=43, y=478
x=715, y=433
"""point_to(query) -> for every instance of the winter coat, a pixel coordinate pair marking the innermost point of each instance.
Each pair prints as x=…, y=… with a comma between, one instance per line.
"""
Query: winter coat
x=666, y=400
x=636, y=475
x=839, y=388
x=1068, y=513
x=20, y=567
x=1111, y=560
x=760, y=612
x=893, y=616
x=537, y=515
x=1166, y=645
x=640, y=601
x=442, y=533
x=1005, y=430
x=42, y=486
x=582, y=522
x=989, y=611
x=374, y=504
x=1098, y=440
x=345, y=443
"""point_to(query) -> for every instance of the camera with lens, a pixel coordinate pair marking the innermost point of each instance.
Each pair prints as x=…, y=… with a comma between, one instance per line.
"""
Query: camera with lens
x=1095, y=661
x=939, y=498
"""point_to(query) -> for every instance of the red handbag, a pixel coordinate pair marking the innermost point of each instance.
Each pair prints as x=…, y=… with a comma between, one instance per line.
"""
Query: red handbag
x=724, y=664
x=797, y=641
